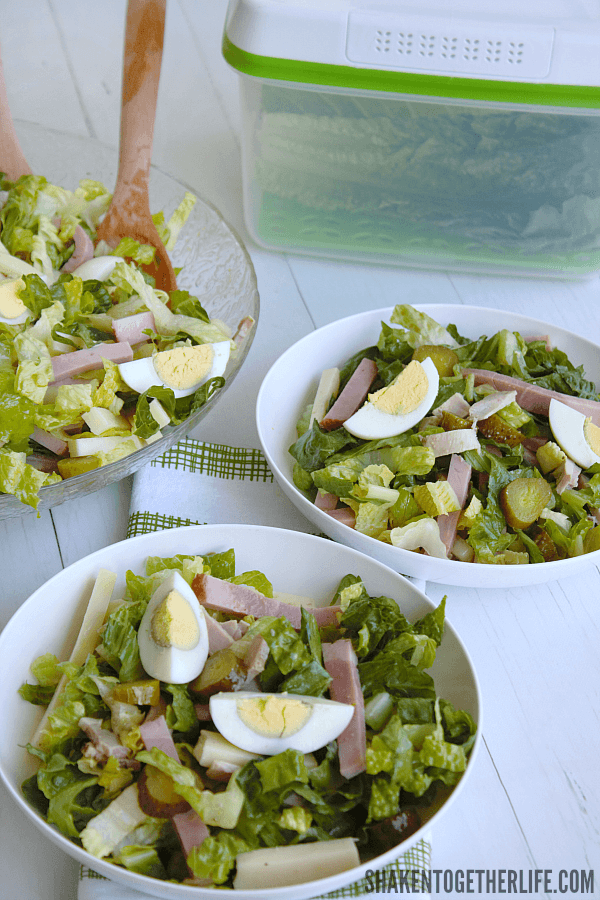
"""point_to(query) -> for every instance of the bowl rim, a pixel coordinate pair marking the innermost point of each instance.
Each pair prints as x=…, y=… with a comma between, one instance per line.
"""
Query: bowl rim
x=464, y=573
x=303, y=541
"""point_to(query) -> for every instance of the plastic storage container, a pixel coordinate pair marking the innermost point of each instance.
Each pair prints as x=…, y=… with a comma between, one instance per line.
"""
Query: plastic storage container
x=380, y=132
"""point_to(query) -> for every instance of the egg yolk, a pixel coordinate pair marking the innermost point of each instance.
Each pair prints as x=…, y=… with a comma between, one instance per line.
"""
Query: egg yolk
x=174, y=623
x=404, y=394
x=183, y=367
x=592, y=435
x=10, y=305
x=274, y=716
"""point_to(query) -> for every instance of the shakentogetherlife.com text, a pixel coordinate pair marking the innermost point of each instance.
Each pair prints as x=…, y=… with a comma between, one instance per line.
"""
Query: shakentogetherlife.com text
x=480, y=881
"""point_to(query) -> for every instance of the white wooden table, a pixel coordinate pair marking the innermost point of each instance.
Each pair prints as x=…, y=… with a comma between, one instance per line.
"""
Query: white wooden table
x=533, y=801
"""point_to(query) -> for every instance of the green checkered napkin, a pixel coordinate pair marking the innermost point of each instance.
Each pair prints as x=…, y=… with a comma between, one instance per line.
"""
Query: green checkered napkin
x=197, y=483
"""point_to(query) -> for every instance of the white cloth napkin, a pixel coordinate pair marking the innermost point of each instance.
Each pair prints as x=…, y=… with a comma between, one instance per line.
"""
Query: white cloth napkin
x=196, y=483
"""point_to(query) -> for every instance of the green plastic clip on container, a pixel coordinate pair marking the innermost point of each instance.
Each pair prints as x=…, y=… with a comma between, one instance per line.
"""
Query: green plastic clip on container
x=388, y=133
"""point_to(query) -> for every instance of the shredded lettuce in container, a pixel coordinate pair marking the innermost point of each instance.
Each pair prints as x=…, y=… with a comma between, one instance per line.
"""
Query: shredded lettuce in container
x=63, y=313
x=527, y=500
x=387, y=174
x=416, y=747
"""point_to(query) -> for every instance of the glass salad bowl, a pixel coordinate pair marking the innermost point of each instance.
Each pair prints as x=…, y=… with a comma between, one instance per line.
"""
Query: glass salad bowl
x=215, y=267
x=300, y=566
x=300, y=369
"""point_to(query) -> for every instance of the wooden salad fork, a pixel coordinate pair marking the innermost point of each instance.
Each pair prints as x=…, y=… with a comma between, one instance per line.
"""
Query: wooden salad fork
x=129, y=212
x=12, y=160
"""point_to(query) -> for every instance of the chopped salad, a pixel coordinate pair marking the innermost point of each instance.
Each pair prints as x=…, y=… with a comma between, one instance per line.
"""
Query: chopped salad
x=484, y=450
x=79, y=321
x=205, y=781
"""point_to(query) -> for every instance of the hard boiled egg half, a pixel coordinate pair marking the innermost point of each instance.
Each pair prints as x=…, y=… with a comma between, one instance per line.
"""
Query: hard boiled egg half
x=399, y=405
x=576, y=434
x=183, y=369
x=172, y=636
x=12, y=309
x=269, y=723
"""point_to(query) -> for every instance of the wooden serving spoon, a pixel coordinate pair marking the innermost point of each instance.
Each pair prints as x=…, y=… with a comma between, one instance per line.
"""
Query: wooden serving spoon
x=12, y=161
x=129, y=212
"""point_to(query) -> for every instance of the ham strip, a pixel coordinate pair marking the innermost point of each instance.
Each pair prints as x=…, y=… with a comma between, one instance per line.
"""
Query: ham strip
x=243, y=330
x=343, y=514
x=84, y=250
x=190, y=829
x=218, y=638
x=42, y=463
x=352, y=397
x=340, y=661
x=235, y=629
x=240, y=600
x=532, y=398
x=448, y=442
x=155, y=733
x=255, y=657
x=130, y=329
x=534, y=443
x=459, y=478
x=69, y=364
x=326, y=501
x=50, y=441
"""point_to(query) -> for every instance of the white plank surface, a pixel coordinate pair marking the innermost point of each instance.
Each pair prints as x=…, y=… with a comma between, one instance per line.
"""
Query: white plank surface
x=533, y=799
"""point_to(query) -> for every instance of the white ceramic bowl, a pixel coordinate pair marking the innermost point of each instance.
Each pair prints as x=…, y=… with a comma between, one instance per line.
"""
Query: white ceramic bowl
x=292, y=381
x=295, y=562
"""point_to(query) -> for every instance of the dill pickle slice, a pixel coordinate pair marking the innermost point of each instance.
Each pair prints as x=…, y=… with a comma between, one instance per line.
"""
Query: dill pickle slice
x=142, y=693
x=451, y=422
x=546, y=545
x=77, y=465
x=443, y=358
x=523, y=500
x=496, y=429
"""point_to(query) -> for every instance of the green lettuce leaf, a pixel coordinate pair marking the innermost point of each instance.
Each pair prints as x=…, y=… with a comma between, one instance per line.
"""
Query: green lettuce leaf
x=287, y=648
x=256, y=580
x=69, y=815
x=389, y=671
x=181, y=715
x=141, y=859
x=215, y=857
x=184, y=303
x=119, y=640
x=312, y=449
x=19, y=478
x=420, y=328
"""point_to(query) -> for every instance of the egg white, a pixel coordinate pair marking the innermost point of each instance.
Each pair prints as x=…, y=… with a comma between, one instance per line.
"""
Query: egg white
x=98, y=269
x=171, y=664
x=140, y=374
x=21, y=317
x=567, y=424
x=17, y=320
x=370, y=423
x=326, y=722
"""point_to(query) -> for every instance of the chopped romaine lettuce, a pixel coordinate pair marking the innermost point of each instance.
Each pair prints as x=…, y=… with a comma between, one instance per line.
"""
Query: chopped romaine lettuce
x=414, y=739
